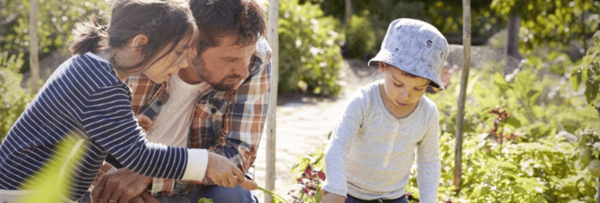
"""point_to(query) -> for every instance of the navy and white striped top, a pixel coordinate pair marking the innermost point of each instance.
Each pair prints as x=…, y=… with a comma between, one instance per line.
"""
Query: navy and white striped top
x=84, y=98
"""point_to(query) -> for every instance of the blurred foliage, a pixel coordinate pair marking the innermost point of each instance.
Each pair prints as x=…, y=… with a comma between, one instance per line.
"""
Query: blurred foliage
x=445, y=15
x=309, y=51
x=13, y=98
x=555, y=22
x=586, y=76
x=538, y=162
x=588, y=73
x=360, y=37
x=56, y=20
x=52, y=183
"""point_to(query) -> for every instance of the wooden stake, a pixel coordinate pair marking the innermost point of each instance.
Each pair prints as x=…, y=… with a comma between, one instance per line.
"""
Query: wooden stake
x=462, y=96
x=34, y=63
x=271, y=121
x=348, y=11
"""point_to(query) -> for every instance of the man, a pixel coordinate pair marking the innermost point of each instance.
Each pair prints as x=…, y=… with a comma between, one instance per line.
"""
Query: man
x=218, y=103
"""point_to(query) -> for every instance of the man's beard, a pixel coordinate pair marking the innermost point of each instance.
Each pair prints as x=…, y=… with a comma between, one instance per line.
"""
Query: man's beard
x=200, y=66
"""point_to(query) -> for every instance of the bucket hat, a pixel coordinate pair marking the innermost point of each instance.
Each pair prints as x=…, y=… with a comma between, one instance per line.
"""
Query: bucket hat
x=415, y=47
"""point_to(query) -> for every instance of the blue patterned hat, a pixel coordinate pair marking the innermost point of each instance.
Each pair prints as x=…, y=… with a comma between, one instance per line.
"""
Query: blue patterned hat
x=415, y=47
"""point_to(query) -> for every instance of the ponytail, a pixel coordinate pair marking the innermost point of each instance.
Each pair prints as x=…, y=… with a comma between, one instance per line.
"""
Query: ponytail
x=88, y=36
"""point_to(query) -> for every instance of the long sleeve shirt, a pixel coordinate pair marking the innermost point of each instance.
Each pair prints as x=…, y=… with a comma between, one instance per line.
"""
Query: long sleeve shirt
x=85, y=99
x=370, y=153
x=229, y=123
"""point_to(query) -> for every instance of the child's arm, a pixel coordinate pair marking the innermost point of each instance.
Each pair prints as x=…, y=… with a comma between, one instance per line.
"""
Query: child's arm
x=332, y=198
x=428, y=162
x=110, y=124
x=344, y=131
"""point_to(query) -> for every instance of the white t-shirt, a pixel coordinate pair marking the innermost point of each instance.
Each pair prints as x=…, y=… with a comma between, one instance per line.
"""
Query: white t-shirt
x=371, y=152
x=172, y=125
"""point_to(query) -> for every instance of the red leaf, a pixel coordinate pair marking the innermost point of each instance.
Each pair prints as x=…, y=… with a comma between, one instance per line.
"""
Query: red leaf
x=321, y=175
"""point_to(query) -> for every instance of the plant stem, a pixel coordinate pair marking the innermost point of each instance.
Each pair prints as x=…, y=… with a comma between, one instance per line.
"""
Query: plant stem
x=273, y=194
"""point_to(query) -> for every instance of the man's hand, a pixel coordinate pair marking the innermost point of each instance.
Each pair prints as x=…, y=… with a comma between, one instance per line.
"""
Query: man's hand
x=121, y=186
x=332, y=198
x=221, y=171
x=143, y=198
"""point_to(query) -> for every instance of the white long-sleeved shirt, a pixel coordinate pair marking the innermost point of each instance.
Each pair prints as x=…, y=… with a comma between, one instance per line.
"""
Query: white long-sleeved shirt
x=370, y=153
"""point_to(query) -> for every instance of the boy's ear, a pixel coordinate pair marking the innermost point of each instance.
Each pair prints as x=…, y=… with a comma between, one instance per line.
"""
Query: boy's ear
x=138, y=41
x=382, y=66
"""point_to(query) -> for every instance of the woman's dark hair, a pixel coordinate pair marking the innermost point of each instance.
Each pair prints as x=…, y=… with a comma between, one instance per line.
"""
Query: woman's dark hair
x=219, y=18
x=162, y=21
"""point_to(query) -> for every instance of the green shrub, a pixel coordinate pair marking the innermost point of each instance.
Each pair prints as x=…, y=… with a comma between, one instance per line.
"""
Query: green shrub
x=360, y=37
x=532, y=164
x=309, y=51
x=587, y=75
x=13, y=99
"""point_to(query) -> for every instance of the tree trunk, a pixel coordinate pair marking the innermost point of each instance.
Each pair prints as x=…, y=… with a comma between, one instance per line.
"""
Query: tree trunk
x=33, y=47
x=271, y=120
x=348, y=10
x=462, y=95
x=512, y=41
x=583, y=39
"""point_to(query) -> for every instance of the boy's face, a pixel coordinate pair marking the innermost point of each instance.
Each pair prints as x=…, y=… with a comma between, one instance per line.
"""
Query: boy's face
x=401, y=88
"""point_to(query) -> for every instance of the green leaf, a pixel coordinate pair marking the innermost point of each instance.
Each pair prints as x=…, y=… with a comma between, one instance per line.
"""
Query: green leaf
x=591, y=90
x=500, y=82
x=513, y=121
x=205, y=200
x=52, y=183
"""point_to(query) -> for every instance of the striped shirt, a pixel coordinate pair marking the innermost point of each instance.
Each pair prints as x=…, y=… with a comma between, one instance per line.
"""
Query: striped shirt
x=84, y=98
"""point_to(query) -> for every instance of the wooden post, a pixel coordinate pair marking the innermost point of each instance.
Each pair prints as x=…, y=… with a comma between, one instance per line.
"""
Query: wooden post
x=463, y=90
x=271, y=121
x=34, y=63
x=348, y=11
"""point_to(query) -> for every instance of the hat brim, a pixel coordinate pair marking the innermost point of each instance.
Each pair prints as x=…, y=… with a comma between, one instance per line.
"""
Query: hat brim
x=385, y=56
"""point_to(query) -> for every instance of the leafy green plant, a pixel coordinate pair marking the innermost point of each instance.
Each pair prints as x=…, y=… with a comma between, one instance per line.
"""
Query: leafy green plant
x=309, y=177
x=13, y=98
x=536, y=165
x=588, y=73
x=309, y=55
x=360, y=37
x=53, y=182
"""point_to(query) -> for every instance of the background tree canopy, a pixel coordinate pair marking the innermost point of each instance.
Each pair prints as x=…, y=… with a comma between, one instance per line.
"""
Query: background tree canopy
x=56, y=20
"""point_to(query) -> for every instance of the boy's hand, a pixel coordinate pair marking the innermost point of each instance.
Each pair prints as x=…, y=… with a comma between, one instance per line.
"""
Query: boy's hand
x=332, y=198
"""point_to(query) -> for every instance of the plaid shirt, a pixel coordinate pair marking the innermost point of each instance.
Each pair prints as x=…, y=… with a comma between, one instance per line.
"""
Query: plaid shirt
x=229, y=123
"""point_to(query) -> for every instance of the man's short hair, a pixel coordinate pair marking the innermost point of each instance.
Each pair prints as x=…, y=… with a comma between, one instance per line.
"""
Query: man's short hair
x=219, y=18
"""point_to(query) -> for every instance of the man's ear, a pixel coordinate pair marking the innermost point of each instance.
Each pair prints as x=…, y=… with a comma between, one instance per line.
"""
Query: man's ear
x=138, y=41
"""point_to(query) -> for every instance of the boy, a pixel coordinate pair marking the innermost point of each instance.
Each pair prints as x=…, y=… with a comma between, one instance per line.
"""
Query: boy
x=372, y=148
